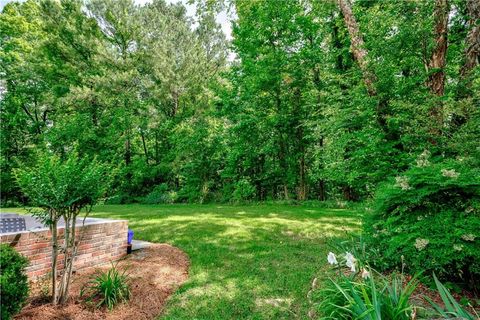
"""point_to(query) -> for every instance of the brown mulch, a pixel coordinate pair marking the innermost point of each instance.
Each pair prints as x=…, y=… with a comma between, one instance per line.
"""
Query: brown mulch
x=156, y=272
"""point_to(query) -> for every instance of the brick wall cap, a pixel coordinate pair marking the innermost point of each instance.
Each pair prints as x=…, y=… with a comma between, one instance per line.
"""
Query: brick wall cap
x=90, y=221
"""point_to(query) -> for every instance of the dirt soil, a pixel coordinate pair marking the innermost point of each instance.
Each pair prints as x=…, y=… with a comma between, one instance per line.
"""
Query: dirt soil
x=156, y=272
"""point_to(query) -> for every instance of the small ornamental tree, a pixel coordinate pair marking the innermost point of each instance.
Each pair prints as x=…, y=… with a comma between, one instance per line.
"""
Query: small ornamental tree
x=63, y=189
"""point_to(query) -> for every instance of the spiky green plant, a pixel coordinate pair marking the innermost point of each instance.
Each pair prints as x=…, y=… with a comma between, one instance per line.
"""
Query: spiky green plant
x=452, y=309
x=375, y=298
x=107, y=288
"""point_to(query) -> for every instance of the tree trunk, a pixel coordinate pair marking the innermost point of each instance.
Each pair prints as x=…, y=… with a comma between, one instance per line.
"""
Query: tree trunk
x=302, y=189
x=66, y=254
x=175, y=98
x=54, y=260
x=321, y=190
x=67, y=271
x=472, y=41
x=144, y=146
x=321, y=184
x=128, y=154
x=360, y=55
x=436, y=65
x=156, y=148
x=358, y=46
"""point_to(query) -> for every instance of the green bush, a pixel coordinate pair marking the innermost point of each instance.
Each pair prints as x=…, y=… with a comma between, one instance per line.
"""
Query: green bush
x=161, y=194
x=244, y=191
x=107, y=288
x=429, y=217
x=13, y=281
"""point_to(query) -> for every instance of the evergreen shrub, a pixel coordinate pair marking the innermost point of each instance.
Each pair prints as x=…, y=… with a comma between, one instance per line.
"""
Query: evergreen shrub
x=428, y=220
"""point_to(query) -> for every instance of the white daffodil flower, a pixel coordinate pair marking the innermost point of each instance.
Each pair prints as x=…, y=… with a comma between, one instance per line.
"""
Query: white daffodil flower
x=350, y=261
x=331, y=258
x=365, y=274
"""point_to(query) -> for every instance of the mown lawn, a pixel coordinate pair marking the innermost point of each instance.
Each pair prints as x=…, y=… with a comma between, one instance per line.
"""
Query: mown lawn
x=247, y=262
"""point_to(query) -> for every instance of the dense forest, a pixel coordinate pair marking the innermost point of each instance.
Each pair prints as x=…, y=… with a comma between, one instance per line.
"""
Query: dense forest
x=320, y=100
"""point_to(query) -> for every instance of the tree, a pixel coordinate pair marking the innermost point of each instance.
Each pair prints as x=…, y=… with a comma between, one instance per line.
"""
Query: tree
x=62, y=188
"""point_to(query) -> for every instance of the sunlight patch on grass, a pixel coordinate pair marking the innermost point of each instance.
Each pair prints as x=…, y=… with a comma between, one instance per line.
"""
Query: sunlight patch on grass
x=247, y=262
x=227, y=290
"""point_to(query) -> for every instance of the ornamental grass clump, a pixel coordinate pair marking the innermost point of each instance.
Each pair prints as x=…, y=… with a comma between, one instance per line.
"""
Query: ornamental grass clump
x=107, y=288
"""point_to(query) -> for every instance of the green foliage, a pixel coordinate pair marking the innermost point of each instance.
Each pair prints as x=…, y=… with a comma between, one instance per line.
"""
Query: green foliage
x=144, y=89
x=13, y=281
x=452, y=309
x=60, y=184
x=377, y=297
x=62, y=188
x=160, y=194
x=429, y=216
x=243, y=191
x=107, y=288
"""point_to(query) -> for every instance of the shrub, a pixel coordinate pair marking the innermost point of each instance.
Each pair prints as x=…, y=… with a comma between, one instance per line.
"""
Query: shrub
x=13, y=281
x=161, y=194
x=116, y=199
x=430, y=217
x=107, y=288
x=244, y=191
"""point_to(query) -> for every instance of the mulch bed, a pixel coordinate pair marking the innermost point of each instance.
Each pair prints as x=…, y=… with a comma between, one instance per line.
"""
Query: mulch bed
x=156, y=272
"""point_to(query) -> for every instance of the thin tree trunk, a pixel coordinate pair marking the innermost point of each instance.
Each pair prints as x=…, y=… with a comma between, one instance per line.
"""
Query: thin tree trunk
x=128, y=155
x=66, y=246
x=321, y=183
x=69, y=266
x=302, y=190
x=156, y=148
x=321, y=190
x=144, y=146
x=54, y=260
x=175, y=103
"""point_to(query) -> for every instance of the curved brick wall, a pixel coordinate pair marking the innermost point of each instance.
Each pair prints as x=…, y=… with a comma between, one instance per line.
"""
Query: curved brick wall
x=101, y=242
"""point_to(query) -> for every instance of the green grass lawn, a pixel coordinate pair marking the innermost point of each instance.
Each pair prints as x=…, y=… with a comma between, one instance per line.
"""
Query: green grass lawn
x=247, y=262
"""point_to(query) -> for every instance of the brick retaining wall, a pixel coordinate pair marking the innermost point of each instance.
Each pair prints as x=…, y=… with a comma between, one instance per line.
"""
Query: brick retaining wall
x=101, y=242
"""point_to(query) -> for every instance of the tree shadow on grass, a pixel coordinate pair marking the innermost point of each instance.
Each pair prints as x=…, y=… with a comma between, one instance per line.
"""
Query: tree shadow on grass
x=245, y=263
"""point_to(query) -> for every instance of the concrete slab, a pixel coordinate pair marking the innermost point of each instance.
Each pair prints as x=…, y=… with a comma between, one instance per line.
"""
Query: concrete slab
x=139, y=244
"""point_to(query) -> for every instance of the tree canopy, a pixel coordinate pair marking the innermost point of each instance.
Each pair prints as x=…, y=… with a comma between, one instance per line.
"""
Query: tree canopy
x=323, y=100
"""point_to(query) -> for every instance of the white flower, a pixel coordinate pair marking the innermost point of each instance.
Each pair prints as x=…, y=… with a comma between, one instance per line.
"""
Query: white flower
x=422, y=160
x=331, y=258
x=468, y=237
x=450, y=173
x=402, y=182
x=457, y=247
x=350, y=261
x=365, y=274
x=420, y=244
x=469, y=210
